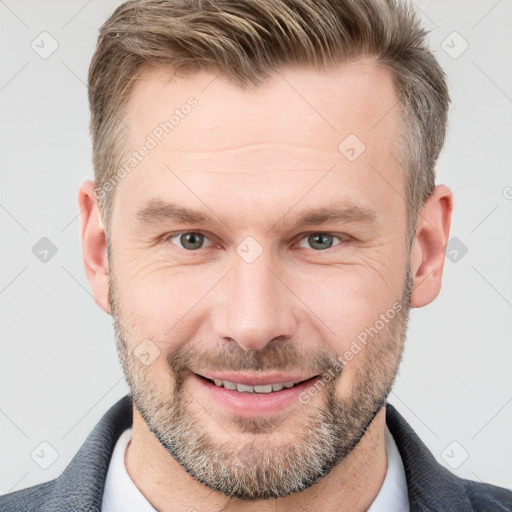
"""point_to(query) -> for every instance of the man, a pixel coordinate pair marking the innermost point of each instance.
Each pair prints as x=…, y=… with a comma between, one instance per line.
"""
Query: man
x=263, y=217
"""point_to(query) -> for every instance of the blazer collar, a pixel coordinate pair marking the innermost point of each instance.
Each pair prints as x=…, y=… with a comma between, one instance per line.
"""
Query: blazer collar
x=430, y=486
x=80, y=486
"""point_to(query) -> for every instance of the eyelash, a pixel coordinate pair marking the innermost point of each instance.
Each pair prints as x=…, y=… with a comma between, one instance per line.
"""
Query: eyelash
x=342, y=237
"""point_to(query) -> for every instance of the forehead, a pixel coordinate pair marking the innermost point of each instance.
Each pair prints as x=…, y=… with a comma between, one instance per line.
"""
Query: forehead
x=236, y=142
x=354, y=96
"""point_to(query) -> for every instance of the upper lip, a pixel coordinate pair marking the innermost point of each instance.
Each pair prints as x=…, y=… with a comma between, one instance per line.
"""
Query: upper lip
x=252, y=379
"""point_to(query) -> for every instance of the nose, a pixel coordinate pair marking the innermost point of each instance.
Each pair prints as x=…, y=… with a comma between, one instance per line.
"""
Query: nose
x=256, y=306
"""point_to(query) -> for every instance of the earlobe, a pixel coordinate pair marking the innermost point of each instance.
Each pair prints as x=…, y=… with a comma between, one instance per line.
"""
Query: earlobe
x=94, y=245
x=429, y=246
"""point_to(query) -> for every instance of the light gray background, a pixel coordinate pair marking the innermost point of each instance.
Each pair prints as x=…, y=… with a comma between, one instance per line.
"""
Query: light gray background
x=58, y=365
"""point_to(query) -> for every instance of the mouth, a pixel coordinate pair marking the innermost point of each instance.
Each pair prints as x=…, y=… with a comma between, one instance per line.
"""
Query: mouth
x=264, y=389
x=250, y=399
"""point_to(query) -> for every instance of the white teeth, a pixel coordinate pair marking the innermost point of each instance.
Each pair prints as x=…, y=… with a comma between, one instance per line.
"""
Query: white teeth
x=243, y=388
x=265, y=389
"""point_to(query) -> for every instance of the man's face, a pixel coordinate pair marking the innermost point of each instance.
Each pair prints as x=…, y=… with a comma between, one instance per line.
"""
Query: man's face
x=250, y=292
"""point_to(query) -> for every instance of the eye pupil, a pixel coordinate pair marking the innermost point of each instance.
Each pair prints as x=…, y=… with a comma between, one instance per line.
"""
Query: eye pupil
x=191, y=240
x=319, y=240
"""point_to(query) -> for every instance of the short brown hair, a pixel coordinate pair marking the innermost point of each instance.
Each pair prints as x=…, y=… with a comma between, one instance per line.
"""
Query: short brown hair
x=246, y=41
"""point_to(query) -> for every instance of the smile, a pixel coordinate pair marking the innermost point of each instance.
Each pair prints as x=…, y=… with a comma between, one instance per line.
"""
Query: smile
x=253, y=395
x=243, y=388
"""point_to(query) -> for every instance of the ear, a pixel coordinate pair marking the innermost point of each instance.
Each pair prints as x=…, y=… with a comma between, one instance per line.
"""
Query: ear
x=429, y=246
x=94, y=245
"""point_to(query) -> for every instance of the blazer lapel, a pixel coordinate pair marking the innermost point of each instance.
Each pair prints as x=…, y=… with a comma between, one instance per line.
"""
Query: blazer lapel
x=431, y=487
x=80, y=486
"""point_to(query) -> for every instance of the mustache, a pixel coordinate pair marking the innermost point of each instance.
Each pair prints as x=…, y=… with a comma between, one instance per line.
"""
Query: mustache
x=275, y=356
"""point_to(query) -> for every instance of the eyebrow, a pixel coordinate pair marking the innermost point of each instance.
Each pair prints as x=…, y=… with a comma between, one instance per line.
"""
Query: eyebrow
x=156, y=211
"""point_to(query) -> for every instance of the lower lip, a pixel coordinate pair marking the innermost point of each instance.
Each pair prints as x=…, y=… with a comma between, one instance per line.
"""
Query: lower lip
x=254, y=404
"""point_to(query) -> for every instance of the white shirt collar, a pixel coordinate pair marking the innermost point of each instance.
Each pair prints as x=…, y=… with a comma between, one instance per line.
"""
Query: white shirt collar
x=393, y=495
x=122, y=495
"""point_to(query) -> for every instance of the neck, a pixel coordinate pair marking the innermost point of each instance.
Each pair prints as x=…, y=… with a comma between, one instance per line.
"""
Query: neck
x=351, y=486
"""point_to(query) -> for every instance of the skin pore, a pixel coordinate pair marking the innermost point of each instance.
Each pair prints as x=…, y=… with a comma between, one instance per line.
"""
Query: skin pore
x=255, y=161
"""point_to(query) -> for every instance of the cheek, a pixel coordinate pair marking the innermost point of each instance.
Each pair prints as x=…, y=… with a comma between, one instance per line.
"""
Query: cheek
x=349, y=299
x=354, y=305
x=158, y=302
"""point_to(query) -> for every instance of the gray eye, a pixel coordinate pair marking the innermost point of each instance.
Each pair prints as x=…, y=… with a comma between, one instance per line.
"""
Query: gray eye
x=320, y=241
x=191, y=241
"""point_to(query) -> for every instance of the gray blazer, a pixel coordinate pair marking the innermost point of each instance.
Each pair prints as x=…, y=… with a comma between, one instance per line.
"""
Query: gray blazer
x=79, y=488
